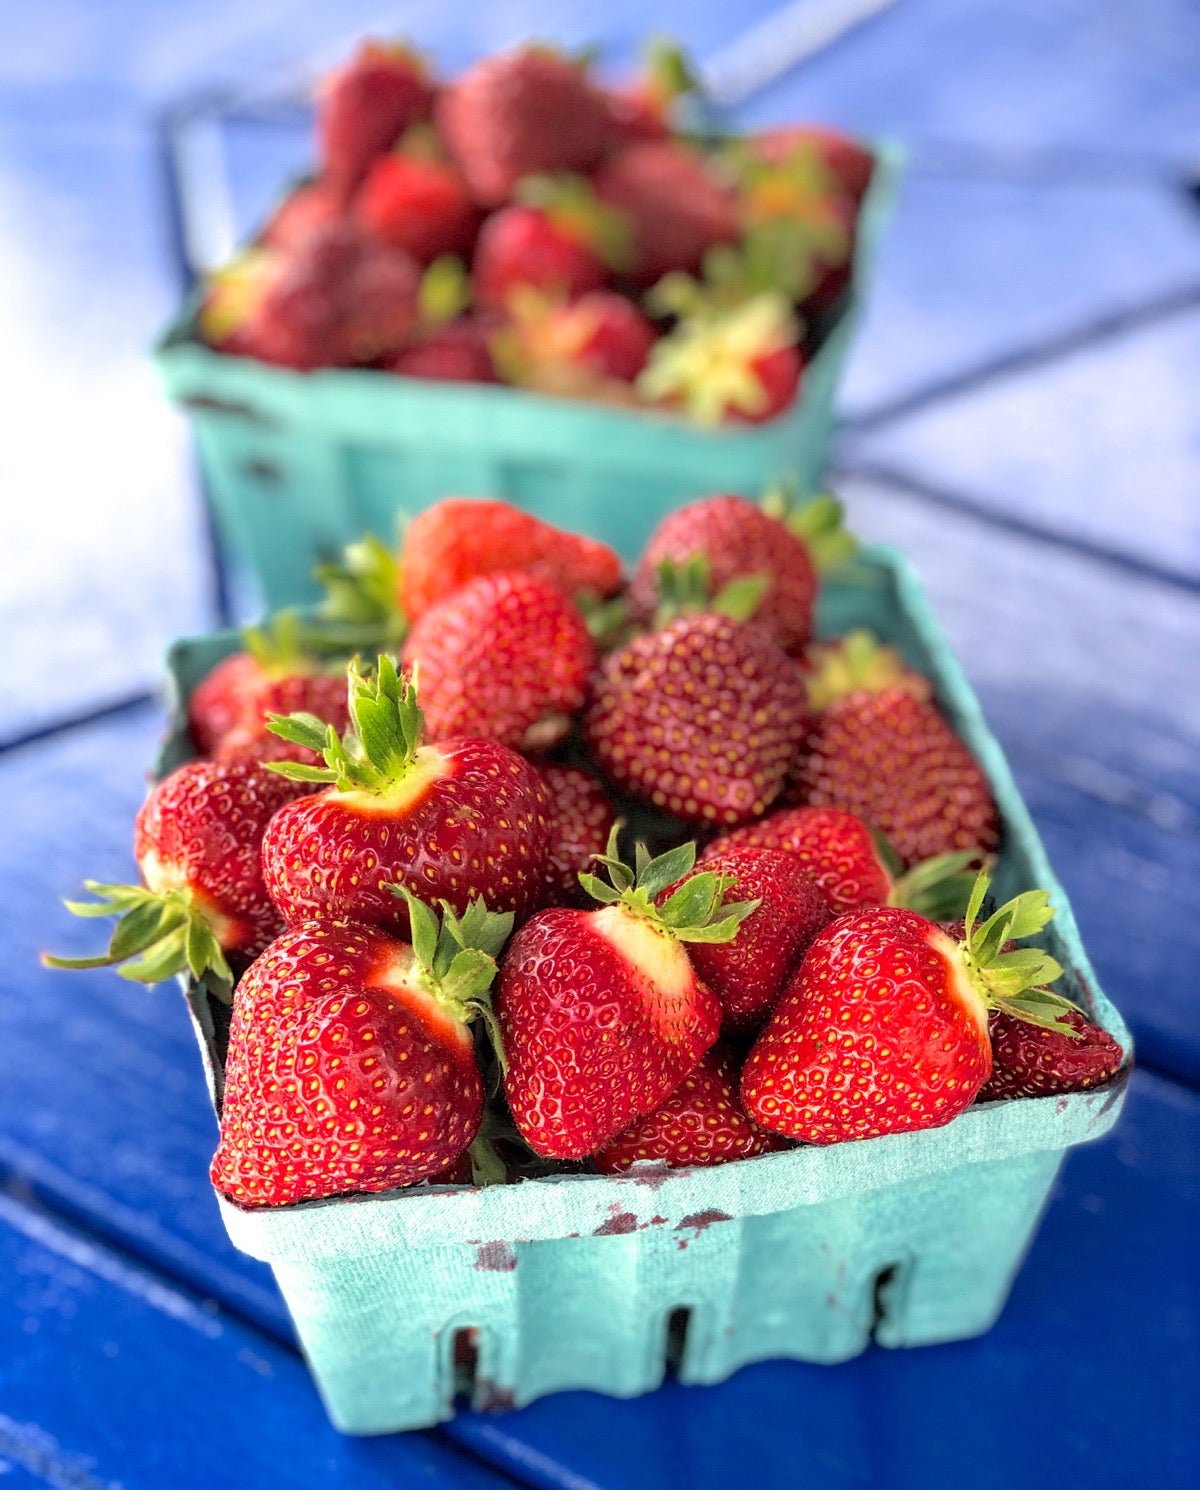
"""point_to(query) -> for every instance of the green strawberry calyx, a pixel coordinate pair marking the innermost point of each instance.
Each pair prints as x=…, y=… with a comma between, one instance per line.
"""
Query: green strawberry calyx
x=696, y=911
x=282, y=646
x=939, y=888
x=361, y=609
x=818, y=521
x=571, y=205
x=1014, y=980
x=686, y=589
x=456, y=957
x=159, y=935
x=859, y=663
x=382, y=748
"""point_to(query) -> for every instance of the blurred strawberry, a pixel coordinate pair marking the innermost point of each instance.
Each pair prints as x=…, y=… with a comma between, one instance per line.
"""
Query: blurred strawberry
x=675, y=204
x=641, y=109
x=849, y=163
x=307, y=207
x=581, y=349
x=520, y=113
x=418, y=203
x=365, y=106
x=581, y=819
x=459, y=352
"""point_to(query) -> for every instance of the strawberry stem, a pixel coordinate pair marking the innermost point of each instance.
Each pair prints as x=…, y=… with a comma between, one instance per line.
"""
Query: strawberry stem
x=361, y=609
x=696, y=911
x=157, y=936
x=860, y=663
x=686, y=589
x=938, y=889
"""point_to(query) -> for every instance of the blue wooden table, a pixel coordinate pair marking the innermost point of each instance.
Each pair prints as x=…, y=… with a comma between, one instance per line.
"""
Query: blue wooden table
x=1020, y=416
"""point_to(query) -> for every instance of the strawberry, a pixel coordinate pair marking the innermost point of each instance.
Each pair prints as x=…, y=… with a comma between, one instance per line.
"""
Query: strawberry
x=319, y=694
x=700, y=1123
x=748, y=973
x=312, y=205
x=889, y=757
x=739, y=540
x=351, y=1065
x=742, y=365
x=222, y=698
x=521, y=247
x=453, y=821
x=418, y=204
x=601, y=1013
x=366, y=106
x=1028, y=1061
x=519, y=113
x=459, y=352
x=852, y=865
x=850, y=164
x=677, y=207
x=884, y=1028
x=197, y=841
x=504, y=657
x=460, y=538
x=701, y=719
x=641, y=109
x=581, y=819
x=577, y=348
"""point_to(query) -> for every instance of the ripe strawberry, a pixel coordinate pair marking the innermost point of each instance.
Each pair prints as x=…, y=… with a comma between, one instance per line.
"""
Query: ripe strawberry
x=312, y=205
x=600, y=1011
x=521, y=248
x=337, y=298
x=197, y=840
x=418, y=204
x=742, y=365
x=641, y=109
x=884, y=1028
x=1028, y=1061
x=677, y=207
x=748, y=974
x=581, y=819
x=319, y=694
x=459, y=352
x=700, y=1123
x=852, y=866
x=222, y=698
x=460, y=538
x=739, y=540
x=504, y=657
x=848, y=162
x=351, y=1066
x=702, y=719
x=451, y=821
x=366, y=106
x=892, y=760
x=519, y=113
x=577, y=348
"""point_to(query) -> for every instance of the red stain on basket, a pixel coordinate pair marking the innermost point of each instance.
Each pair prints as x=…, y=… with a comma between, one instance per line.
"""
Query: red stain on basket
x=652, y=1175
x=495, y=1257
x=1061, y=1106
x=620, y=1223
x=701, y=1220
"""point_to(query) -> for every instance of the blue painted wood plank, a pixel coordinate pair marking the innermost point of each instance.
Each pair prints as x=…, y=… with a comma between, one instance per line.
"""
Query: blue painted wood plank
x=1086, y=1378
x=1105, y=80
x=1102, y=446
x=110, y=1378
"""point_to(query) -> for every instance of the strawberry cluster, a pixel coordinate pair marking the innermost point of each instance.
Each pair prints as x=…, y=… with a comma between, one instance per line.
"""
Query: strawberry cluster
x=525, y=223
x=409, y=882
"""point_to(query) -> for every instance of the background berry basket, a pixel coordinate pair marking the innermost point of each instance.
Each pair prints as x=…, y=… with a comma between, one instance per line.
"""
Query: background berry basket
x=299, y=464
x=600, y=1282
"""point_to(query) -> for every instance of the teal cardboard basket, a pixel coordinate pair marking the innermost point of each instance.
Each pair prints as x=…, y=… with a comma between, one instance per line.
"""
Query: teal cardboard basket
x=601, y=1282
x=299, y=464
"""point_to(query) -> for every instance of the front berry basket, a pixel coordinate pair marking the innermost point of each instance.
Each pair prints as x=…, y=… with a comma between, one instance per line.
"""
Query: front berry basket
x=298, y=464
x=586, y=1281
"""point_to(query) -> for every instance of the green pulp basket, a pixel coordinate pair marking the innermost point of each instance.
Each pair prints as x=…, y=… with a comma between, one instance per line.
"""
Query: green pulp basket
x=299, y=464
x=579, y=1281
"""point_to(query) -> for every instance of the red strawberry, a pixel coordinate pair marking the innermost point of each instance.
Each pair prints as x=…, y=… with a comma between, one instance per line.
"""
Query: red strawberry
x=676, y=205
x=337, y=298
x=310, y=206
x=739, y=540
x=702, y=718
x=641, y=110
x=521, y=248
x=884, y=1028
x=748, y=973
x=891, y=759
x=452, y=821
x=1028, y=1061
x=520, y=113
x=743, y=365
x=459, y=352
x=319, y=694
x=845, y=859
x=577, y=348
x=222, y=698
x=197, y=841
x=700, y=1123
x=848, y=162
x=581, y=819
x=460, y=538
x=419, y=205
x=366, y=106
x=351, y=1066
x=601, y=1013
x=504, y=657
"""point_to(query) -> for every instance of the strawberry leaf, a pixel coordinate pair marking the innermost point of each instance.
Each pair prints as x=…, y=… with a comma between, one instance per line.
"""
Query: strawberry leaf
x=723, y=930
x=658, y=873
